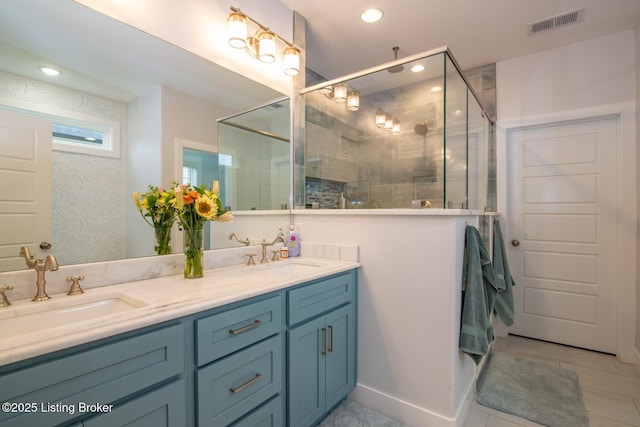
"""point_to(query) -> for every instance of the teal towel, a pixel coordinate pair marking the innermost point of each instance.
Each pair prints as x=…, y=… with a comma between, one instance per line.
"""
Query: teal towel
x=480, y=289
x=504, y=301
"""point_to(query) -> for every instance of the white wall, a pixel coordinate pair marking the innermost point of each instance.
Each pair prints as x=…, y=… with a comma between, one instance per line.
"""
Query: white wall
x=581, y=80
x=409, y=365
x=587, y=74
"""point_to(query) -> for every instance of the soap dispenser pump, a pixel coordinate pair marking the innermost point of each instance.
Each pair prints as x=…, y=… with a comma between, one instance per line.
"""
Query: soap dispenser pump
x=293, y=242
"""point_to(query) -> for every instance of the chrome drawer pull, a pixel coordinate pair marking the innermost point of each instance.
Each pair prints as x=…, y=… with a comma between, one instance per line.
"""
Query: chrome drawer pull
x=331, y=339
x=245, y=328
x=241, y=387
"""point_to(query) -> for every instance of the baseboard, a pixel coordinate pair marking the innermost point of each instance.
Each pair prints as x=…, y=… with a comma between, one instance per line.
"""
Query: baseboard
x=409, y=413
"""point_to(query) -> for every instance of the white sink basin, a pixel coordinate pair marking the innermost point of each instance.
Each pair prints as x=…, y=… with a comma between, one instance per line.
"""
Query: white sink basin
x=65, y=310
x=288, y=267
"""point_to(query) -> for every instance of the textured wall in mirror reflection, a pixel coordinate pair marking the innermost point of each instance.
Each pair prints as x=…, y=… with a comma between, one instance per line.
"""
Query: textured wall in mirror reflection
x=89, y=192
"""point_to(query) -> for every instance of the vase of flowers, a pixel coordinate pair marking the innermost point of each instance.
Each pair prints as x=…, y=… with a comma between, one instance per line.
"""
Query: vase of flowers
x=193, y=207
x=156, y=209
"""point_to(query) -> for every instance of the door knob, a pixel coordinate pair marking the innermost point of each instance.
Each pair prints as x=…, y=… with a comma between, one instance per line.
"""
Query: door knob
x=515, y=242
x=45, y=246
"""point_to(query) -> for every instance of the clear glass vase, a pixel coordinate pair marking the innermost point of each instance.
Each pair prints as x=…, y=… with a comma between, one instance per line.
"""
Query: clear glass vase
x=163, y=239
x=193, y=253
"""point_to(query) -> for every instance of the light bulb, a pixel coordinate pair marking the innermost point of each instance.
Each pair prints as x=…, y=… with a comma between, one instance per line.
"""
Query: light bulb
x=340, y=92
x=380, y=118
x=267, y=46
x=291, y=61
x=237, y=30
x=353, y=100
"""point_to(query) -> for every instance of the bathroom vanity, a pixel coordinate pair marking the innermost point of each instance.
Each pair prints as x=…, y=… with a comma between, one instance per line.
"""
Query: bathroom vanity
x=268, y=345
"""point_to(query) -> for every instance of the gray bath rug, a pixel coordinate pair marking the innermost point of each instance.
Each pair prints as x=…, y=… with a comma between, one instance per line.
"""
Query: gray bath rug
x=351, y=414
x=541, y=393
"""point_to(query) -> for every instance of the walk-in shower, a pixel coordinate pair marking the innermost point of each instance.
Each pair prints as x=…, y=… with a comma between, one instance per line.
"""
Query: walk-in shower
x=417, y=133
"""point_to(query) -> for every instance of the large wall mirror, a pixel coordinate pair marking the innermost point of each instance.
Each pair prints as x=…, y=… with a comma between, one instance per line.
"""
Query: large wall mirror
x=141, y=92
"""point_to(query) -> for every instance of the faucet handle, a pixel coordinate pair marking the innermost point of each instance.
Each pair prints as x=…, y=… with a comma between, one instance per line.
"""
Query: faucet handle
x=75, y=288
x=275, y=256
x=251, y=261
x=4, y=302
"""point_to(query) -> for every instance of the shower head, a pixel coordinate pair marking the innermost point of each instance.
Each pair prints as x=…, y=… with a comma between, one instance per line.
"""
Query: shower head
x=397, y=68
x=421, y=128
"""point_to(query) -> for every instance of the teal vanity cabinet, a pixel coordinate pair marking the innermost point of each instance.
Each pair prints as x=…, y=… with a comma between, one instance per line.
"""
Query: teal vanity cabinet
x=240, y=365
x=321, y=347
x=138, y=375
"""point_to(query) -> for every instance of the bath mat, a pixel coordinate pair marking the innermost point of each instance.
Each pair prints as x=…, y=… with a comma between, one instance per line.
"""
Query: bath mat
x=541, y=393
x=351, y=414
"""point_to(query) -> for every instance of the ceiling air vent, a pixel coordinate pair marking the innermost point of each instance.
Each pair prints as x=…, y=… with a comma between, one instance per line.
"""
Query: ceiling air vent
x=557, y=21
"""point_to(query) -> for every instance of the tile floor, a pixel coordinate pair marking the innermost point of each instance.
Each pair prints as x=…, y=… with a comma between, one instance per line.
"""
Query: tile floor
x=611, y=389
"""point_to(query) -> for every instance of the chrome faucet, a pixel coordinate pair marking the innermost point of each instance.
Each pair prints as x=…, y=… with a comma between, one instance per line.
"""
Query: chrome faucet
x=265, y=245
x=40, y=266
x=245, y=242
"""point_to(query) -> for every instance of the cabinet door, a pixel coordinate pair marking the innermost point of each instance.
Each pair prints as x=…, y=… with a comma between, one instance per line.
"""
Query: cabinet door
x=164, y=407
x=306, y=372
x=341, y=354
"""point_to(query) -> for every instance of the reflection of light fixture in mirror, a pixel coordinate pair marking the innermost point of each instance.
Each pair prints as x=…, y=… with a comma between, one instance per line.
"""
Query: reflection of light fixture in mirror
x=371, y=15
x=353, y=100
x=436, y=89
x=327, y=90
x=50, y=71
x=380, y=118
x=388, y=124
x=417, y=68
x=395, y=129
x=340, y=92
x=262, y=45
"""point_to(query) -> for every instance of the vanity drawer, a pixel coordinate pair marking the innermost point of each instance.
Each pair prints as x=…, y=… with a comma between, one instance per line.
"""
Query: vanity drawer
x=268, y=415
x=103, y=374
x=224, y=333
x=311, y=300
x=234, y=386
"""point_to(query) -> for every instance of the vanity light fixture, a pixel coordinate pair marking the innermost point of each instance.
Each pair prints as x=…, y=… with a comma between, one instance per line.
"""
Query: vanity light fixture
x=50, y=71
x=262, y=45
x=371, y=15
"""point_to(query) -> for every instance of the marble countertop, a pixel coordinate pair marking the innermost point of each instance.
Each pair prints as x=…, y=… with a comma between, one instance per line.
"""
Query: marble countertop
x=160, y=299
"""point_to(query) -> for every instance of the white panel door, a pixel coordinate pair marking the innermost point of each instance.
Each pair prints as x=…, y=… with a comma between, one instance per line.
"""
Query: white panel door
x=25, y=187
x=563, y=202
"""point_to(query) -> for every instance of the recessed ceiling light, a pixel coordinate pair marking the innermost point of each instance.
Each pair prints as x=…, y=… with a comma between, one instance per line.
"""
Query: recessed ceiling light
x=417, y=68
x=371, y=15
x=436, y=89
x=50, y=71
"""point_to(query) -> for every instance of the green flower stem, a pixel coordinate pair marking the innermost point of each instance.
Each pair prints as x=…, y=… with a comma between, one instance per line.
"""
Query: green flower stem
x=163, y=238
x=193, y=243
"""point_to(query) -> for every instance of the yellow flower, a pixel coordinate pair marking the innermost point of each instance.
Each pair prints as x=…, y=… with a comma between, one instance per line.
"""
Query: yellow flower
x=206, y=207
x=136, y=200
x=216, y=189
